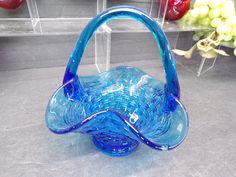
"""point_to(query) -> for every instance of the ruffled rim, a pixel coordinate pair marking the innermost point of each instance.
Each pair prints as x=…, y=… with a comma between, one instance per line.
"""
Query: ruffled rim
x=124, y=120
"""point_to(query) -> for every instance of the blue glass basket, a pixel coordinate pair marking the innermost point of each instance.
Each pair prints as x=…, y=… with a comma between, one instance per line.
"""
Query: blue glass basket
x=124, y=106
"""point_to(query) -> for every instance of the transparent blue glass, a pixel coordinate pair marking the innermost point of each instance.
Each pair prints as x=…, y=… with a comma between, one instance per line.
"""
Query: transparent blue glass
x=124, y=106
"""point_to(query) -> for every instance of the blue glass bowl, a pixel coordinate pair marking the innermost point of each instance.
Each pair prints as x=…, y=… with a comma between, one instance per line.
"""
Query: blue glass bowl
x=124, y=106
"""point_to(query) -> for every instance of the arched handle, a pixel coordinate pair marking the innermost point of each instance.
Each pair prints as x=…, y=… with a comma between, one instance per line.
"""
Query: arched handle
x=172, y=84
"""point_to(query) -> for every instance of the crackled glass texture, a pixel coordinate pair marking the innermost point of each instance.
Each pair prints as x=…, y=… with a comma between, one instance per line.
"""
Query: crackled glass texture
x=124, y=106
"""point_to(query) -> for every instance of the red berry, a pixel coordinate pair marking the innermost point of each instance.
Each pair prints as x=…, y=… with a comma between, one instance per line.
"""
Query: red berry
x=10, y=4
x=175, y=8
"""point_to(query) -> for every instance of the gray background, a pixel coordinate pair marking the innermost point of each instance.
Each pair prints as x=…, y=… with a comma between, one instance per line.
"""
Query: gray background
x=50, y=51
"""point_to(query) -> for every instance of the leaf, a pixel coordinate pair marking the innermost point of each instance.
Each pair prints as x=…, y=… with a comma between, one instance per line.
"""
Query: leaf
x=206, y=48
x=221, y=52
x=212, y=53
x=179, y=52
x=190, y=52
x=209, y=54
x=187, y=54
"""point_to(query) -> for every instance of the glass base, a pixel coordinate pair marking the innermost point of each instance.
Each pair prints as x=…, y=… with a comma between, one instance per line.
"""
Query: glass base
x=115, y=146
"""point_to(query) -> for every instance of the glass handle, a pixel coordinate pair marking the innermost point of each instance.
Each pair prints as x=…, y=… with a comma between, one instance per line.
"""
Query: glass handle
x=172, y=83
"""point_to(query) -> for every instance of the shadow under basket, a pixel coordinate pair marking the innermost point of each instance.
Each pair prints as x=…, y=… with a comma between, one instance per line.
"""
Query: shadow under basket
x=124, y=106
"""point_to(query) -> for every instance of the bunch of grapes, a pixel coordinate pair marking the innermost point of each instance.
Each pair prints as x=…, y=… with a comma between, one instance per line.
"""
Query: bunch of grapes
x=219, y=15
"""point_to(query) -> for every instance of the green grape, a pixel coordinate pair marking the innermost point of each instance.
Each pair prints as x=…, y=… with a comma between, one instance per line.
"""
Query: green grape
x=188, y=19
x=222, y=29
x=204, y=11
x=186, y=16
x=228, y=9
x=231, y=21
x=228, y=3
x=233, y=32
x=205, y=22
x=194, y=13
x=221, y=37
x=199, y=3
x=216, y=22
x=226, y=13
x=219, y=14
x=214, y=13
x=227, y=37
x=215, y=3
